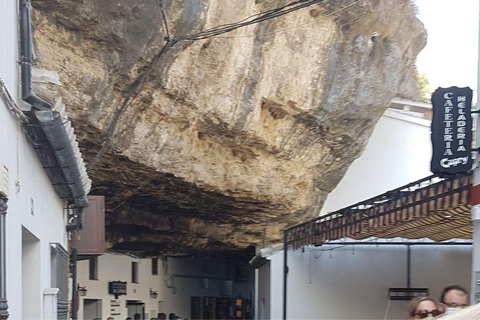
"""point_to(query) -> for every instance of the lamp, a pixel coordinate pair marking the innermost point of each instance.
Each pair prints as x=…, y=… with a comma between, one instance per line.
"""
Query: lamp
x=82, y=290
x=153, y=294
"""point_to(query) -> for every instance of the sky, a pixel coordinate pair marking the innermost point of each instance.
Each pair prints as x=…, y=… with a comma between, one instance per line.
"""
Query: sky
x=451, y=55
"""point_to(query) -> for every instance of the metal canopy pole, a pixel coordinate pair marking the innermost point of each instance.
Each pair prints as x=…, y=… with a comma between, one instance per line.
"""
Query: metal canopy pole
x=285, y=272
x=409, y=264
x=73, y=270
x=3, y=275
x=475, y=284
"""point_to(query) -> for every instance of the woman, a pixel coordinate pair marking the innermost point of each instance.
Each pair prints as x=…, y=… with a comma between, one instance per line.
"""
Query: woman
x=422, y=308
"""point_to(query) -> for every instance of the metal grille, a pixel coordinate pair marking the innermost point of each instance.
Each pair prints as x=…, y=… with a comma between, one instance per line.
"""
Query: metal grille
x=62, y=309
x=59, y=279
x=434, y=207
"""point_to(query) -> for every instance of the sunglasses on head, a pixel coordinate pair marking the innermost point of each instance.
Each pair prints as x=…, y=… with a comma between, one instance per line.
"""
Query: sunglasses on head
x=422, y=313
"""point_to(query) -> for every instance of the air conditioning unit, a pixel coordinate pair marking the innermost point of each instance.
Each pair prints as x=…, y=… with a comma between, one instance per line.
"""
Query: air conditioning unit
x=407, y=293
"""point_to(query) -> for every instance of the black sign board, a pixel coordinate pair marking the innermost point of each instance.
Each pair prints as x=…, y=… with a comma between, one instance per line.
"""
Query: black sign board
x=117, y=288
x=451, y=130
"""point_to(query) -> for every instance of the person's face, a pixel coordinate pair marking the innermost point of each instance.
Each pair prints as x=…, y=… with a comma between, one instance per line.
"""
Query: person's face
x=453, y=299
x=425, y=310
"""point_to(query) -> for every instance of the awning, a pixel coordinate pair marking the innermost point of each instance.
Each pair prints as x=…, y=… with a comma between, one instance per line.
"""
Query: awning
x=434, y=207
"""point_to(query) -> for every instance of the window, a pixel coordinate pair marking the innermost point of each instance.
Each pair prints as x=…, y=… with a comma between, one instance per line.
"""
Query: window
x=134, y=272
x=93, y=268
x=154, y=266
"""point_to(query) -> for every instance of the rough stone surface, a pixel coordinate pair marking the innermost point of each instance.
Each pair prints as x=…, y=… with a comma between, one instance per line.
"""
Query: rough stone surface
x=230, y=139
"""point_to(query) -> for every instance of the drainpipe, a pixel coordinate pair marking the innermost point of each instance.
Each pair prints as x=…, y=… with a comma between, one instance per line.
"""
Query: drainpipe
x=26, y=59
x=3, y=276
x=51, y=122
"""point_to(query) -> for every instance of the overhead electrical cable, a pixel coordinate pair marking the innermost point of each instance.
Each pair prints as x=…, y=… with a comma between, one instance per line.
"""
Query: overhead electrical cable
x=292, y=27
x=134, y=91
x=138, y=84
x=164, y=19
x=260, y=17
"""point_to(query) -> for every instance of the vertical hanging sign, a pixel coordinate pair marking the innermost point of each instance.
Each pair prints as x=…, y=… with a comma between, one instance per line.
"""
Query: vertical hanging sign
x=451, y=130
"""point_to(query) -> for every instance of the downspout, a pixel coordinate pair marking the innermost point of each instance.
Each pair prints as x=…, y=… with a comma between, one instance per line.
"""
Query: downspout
x=51, y=123
x=26, y=59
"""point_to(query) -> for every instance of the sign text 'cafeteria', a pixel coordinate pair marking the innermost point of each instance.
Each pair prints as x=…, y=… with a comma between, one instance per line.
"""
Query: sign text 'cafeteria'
x=451, y=130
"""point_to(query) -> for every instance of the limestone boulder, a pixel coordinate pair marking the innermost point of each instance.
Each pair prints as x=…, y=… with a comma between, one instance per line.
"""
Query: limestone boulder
x=218, y=144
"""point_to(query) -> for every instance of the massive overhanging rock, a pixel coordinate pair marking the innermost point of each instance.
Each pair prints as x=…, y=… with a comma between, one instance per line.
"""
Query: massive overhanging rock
x=227, y=140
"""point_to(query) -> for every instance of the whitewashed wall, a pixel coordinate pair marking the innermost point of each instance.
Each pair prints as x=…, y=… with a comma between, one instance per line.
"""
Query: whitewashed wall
x=119, y=268
x=47, y=224
x=174, y=295
x=349, y=283
x=397, y=153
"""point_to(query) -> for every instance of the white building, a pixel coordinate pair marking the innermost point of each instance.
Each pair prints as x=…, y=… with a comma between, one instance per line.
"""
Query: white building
x=397, y=153
x=140, y=277
x=192, y=288
x=338, y=281
x=40, y=194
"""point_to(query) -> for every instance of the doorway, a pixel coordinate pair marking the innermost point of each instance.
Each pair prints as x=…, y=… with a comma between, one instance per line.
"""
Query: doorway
x=134, y=306
x=30, y=275
x=92, y=308
x=263, y=296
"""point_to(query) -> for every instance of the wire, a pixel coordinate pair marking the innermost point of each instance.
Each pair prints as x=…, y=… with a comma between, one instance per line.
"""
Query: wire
x=293, y=27
x=164, y=16
x=312, y=253
x=388, y=308
x=139, y=83
x=11, y=104
x=260, y=17
x=134, y=91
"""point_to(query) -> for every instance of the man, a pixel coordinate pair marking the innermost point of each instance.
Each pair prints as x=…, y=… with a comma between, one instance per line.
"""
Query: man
x=453, y=299
x=472, y=312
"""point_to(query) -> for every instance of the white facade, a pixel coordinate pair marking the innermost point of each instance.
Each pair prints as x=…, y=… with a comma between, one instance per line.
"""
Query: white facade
x=117, y=268
x=352, y=282
x=188, y=276
x=177, y=281
x=36, y=219
x=398, y=152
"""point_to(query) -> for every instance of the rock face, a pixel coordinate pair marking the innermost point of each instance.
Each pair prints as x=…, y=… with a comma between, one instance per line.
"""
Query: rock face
x=220, y=143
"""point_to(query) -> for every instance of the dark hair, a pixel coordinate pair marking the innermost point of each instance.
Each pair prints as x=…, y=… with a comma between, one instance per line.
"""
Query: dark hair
x=413, y=304
x=162, y=316
x=172, y=316
x=449, y=288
